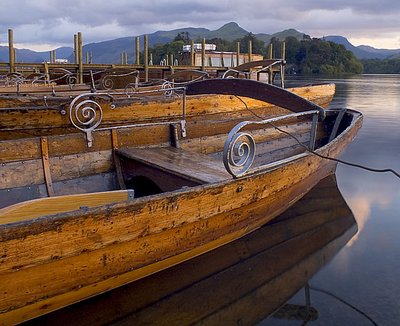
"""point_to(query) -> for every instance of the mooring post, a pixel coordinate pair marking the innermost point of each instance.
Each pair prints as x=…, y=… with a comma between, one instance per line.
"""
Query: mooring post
x=76, y=48
x=283, y=55
x=250, y=51
x=137, y=50
x=203, y=54
x=270, y=72
x=269, y=51
x=50, y=56
x=146, y=58
x=192, y=62
x=237, y=53
x=80, y=58
x=46, y=72
x=11, y=51
x=54, y=56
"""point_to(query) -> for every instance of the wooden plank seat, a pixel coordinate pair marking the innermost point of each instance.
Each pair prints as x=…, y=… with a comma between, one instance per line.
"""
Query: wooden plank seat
x=197, y=167
x=60, y=204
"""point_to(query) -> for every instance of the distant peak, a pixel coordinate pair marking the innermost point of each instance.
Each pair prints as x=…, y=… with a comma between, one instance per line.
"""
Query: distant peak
x=232, y=26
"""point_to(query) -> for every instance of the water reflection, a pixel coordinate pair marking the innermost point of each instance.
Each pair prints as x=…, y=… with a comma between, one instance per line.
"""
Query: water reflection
x=366, y=272
x=242, y=282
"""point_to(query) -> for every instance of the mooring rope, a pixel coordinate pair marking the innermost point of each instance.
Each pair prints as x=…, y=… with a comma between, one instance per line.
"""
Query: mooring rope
x=344, y=302
x=397, y=174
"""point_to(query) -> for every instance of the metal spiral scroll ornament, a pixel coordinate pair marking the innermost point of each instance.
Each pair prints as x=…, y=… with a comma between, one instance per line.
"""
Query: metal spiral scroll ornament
x=85, y=115
x=167, y=89
x=108, y=83
x=239, y=152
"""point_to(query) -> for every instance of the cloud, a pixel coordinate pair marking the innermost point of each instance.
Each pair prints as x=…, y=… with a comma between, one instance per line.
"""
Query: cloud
x=55, y=21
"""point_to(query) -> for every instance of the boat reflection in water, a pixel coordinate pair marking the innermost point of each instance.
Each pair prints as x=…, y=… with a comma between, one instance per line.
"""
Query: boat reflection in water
x=240, y=283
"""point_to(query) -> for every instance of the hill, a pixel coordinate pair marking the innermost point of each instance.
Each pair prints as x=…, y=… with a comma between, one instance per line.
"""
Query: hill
x=266, y=38
x=363, y=51
x=25, y=55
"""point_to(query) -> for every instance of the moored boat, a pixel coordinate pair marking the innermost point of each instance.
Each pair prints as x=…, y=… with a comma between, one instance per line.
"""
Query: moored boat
x=83, y=215
x=29, y=115
x=248, y=279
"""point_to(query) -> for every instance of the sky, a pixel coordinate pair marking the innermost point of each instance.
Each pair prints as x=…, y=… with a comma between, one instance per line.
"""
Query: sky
x=47, y=24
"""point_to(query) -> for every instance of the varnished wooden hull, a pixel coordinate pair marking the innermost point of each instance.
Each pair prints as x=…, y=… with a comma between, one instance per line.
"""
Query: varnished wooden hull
x=53, y=261
x=243, y=280
x=27, y=116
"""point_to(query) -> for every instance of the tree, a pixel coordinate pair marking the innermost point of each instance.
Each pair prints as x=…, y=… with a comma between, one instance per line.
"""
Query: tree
x=182, y=36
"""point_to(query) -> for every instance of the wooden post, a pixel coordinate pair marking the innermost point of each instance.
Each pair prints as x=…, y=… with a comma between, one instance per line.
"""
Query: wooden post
x=11, y=51
x=46, y=72
x=171, y=59
x=50, y=56
x=192, y=58
x=80, y=58
x=91, y=57
x=137, y=50
x=283, y=55
x=203, y=54
x=121, y=58
x=283, y=50
x=76, y=48
x=269, y=51
x=151, y=59
x=87, y=57
x=146, y=58
x=250, y=50
x=54, y=56
x=237, y=53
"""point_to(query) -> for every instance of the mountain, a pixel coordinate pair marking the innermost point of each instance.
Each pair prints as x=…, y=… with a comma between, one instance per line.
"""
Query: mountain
x=25, y=55
x=230, y=32
x=109, y=51
x=280, y=35
x=363, y=51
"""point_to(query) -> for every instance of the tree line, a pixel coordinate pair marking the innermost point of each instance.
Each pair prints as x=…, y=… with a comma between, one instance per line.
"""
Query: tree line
x=378, y=66
x=309, y=55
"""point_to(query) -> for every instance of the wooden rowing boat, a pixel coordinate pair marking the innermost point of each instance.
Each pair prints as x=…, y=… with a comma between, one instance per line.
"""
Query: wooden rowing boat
x=242, y=280
x=29, y=116
x=306, y=237
x=83, y=214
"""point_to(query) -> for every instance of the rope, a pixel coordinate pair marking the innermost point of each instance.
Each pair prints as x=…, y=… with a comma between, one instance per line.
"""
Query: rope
x=345, y=302
x=317, y=154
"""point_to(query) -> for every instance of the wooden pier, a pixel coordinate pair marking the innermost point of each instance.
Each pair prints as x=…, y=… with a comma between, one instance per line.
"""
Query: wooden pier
x=215, y=63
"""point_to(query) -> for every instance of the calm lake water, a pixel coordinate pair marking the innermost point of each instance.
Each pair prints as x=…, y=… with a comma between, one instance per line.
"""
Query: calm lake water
x=366, y=272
